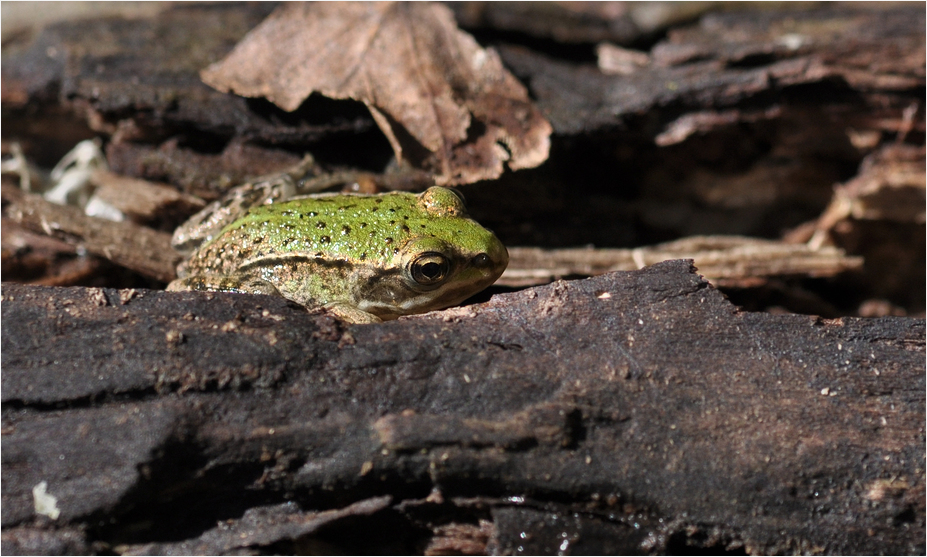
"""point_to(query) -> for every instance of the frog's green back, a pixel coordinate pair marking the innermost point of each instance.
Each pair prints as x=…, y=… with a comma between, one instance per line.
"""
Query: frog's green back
x=353, y=227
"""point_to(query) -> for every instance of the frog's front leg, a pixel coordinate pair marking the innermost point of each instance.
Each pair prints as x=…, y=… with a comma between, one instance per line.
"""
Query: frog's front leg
x=224, y=283
x=351, y=314
x=245, y=284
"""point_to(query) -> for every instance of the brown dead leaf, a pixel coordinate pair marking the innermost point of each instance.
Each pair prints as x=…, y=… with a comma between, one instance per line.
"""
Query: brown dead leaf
x=419, y=75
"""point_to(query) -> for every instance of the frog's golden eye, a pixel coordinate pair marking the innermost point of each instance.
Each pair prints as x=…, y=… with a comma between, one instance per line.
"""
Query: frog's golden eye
x=429, y=269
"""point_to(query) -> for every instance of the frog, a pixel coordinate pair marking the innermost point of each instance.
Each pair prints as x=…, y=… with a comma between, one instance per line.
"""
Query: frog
x=365, y=258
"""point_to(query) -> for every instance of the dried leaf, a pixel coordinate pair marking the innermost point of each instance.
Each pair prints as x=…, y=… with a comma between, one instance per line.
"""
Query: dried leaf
x=422, y=78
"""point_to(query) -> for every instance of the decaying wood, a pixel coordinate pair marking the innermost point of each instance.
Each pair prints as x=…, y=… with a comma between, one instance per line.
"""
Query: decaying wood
x=207, y=176
x=135, y=247
x=891, y=186
x=723, y=260
x=879, y=214
x=745, y=54
x=142, y=200
x=635, y=412
x=34, y=258
x=581, y=22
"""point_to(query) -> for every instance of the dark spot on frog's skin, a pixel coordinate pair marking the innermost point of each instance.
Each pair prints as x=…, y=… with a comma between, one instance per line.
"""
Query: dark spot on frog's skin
x=388, y=240
x=395, y=251
x=363, y=225
x=423, y=226
x=392, y=210
x=405, y=229
x=289, y=226
x=375, y=209
x=345, y=229
x=312, y=214
x=392, y=222
x=325, y=239
x=289, y=240
x=320, y=224
x=406, y=217
x=378, y=200
x=363, y=256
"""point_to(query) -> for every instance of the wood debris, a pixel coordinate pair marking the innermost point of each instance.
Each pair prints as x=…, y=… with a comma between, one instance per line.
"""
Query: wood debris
x=130, y=245
x=723, y=260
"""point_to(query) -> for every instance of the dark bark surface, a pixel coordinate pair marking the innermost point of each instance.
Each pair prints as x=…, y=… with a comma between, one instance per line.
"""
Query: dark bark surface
x=636, y=412
x=731, y=60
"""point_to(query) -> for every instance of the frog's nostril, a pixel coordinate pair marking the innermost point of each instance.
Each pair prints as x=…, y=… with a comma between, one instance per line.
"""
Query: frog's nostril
x=481, y=260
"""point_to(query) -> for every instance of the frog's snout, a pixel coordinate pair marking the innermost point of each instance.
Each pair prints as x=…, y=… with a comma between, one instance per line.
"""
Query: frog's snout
x=500, y=256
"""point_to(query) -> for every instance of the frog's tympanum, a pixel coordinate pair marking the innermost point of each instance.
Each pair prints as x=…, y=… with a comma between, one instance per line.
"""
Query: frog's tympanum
x=364, y=257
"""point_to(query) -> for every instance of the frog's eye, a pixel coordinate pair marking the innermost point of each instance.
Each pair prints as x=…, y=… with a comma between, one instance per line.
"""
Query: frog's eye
x=429, y=268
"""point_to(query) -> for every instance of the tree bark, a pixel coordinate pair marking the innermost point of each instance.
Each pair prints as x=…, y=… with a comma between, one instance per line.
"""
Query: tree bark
x=635, y=412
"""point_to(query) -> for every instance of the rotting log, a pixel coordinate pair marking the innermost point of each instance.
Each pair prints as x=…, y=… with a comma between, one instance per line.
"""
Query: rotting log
x=130, y=245
x=634, y=412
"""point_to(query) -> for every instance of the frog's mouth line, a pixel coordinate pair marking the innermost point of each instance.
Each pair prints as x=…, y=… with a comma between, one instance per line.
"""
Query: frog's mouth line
x=419, y=301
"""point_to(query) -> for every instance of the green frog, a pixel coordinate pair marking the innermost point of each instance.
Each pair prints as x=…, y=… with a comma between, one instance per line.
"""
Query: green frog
x=365, y=258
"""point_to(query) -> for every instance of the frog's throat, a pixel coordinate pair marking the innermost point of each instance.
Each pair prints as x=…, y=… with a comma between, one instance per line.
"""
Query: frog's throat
x=412, y=301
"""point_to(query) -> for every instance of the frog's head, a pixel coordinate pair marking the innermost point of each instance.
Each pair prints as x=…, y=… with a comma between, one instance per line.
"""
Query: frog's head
x=449, y=258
